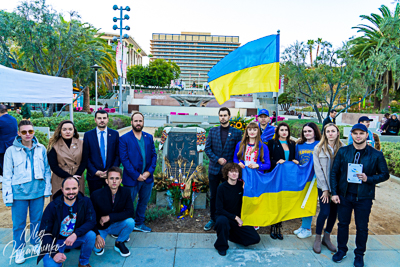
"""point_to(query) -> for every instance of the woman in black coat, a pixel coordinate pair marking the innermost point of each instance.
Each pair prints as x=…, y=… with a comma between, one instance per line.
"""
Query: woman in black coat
x=281, y=149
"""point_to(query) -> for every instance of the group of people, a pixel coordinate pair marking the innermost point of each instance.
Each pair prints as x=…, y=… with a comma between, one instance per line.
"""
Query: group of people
x=229, y=152
x=71, y=220
x=32, y=173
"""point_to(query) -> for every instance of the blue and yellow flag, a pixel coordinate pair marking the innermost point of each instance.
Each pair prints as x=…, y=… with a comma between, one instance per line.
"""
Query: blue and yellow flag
x=252, y=68
x=280, y=195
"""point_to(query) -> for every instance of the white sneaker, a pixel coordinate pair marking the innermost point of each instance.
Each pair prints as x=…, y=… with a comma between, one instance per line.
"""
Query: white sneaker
x=296, y=232
x=20, y=256
x=1, y=178
x=304, y=233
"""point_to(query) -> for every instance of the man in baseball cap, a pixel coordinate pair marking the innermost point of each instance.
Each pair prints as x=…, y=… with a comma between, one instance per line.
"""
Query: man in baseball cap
x=267, y=130
x=364, y=120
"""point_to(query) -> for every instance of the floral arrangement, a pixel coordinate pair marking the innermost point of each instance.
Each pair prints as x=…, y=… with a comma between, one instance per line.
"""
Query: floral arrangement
x=239, y=122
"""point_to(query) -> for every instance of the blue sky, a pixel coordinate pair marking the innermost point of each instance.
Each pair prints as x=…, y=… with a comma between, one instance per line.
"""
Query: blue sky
x=251, y=19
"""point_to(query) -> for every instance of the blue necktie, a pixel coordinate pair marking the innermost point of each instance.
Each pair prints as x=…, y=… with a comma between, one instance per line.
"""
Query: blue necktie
x=103, y=149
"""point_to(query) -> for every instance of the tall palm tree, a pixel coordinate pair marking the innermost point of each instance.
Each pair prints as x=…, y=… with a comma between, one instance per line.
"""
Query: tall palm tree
x=310, y=44
x=319, y=42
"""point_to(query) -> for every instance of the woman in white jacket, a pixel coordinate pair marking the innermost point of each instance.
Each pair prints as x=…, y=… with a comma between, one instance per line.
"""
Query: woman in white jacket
x=324, y=154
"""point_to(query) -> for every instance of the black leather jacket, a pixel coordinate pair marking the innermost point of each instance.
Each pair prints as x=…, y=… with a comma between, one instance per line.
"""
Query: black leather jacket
x=374, y=166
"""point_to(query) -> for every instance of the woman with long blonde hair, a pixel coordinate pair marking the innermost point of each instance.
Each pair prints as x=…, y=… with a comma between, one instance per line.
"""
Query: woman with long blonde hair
x=66, y=156
x=323, y=156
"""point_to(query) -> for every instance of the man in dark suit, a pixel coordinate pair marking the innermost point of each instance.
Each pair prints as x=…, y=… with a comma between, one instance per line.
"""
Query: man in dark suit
x=220, y=146
x=138, y=156
x=330, y=119
x=8, y=132
x=114, y=211
x=101, y=143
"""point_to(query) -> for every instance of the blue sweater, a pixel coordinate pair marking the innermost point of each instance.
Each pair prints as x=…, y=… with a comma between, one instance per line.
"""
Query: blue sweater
x=304, y=152
x=263, y=166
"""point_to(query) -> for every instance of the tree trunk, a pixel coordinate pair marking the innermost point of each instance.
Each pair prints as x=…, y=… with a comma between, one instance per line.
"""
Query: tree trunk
x=377, y=103
x=318, y=113
x=385, y=93
x=86, y=101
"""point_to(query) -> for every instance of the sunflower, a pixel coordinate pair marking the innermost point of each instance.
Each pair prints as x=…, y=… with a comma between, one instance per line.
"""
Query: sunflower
x=239, y=125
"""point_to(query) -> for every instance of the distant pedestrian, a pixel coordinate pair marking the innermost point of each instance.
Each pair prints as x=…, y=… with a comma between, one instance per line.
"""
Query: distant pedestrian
x=8, y=132
x=392, y=126
x=330, y=119
x=26, y=111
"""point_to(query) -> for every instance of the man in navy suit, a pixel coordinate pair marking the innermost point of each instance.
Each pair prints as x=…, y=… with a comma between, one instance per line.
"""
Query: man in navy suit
x=102, y=146
x=220, y=147
x=8, y=132
x=138, y=156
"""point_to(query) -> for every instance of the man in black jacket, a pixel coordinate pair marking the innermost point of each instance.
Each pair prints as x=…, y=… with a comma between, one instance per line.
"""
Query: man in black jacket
x=67, y=223
x=330, y=119
x=114, y=211
x=354, y=190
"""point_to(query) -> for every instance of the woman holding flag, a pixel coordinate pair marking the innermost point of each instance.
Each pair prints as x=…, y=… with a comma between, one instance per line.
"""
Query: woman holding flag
x=310, y=137
x=324, y=154
x=282, y=149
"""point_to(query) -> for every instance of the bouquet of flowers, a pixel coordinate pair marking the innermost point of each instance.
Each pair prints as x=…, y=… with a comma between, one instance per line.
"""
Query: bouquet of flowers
x=239, y=122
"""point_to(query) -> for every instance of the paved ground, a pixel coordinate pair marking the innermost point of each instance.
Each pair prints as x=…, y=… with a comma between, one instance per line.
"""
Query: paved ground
x=185, y=249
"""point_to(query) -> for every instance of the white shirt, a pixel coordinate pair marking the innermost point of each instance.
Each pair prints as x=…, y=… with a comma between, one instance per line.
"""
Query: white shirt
x=105, y=139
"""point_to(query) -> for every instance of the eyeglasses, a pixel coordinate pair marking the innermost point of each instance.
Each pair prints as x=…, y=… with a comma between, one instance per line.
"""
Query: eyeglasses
x=25, y=132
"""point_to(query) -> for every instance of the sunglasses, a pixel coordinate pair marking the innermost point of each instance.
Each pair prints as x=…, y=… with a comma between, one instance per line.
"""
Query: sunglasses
x=25, y=132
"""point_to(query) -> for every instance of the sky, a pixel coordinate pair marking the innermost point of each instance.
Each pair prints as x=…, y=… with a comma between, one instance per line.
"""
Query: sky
x=297, y=20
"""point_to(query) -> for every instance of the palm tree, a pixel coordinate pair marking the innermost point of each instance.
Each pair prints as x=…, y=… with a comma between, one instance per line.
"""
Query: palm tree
x=310, y=44
x=319, y=42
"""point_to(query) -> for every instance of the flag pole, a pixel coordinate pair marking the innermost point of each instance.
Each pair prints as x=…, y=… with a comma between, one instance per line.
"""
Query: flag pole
x=277, y=94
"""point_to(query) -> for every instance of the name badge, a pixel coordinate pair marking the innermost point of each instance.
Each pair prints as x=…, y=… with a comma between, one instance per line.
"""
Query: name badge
x=352, y=171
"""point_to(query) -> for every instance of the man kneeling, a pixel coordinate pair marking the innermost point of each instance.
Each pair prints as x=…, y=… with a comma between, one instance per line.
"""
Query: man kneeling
x=228, y=225
x=67, y=223
x=114, y=211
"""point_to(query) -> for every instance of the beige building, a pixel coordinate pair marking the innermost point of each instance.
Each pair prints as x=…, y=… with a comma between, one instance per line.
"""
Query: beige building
x=134, y=57
x=194, y=52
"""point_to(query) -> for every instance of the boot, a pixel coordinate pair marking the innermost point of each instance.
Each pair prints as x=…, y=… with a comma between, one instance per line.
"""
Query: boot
x=273, y=232
x=326, y=241
x=279, y=233
x=317, y=244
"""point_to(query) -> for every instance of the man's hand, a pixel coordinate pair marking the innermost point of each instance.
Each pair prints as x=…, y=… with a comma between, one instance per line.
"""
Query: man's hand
x=254, y=166
x=280, y=161
x=239, y=221
x=77, y=177
x=70, y=240
x=325, y=196
x=59, y=257
x=101, y=174
x=222, y=161
x=141, y=178
x=362, y=177
x=241, y=165
x=295, y=161
x=336, y=199
x=104, y=219
x=99, y=242
x=146, y=174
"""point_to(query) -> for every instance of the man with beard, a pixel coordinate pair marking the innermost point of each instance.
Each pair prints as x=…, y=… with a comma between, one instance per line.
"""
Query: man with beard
x=220, y=146
x=356, y=170
x=101, y=143
x=67, y=223
x=138, y=156
x=267, y=130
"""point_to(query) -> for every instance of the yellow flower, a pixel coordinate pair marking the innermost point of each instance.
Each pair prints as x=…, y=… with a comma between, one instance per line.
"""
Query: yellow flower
x=239, y=125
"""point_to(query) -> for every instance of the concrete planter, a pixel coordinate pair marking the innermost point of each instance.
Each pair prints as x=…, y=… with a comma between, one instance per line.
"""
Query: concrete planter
x=199, y=203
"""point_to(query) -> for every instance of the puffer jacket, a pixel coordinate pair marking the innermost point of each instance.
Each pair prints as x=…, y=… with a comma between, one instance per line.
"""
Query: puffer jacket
x=374, y=166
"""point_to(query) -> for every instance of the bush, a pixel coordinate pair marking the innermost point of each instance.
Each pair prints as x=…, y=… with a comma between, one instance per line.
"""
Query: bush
x=153, y=212
x=391, y=151
x=42, y=138
x=296, y=127
x=85, y=124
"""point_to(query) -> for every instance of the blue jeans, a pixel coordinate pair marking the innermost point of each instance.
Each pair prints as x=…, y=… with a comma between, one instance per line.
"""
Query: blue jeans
x=86, y=242
x=144, y=191
x=362, y=210
x=122, y=229
x=19, y=211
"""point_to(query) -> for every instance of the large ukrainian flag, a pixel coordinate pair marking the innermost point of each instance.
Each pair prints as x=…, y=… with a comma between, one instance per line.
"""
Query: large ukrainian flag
x=279, y=195
x=251, y=68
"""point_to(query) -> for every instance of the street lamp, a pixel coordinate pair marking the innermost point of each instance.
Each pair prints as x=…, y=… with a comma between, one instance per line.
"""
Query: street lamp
x=96, y=68
x=115, y=39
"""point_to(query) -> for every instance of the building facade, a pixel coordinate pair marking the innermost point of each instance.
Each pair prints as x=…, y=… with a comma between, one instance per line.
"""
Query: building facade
x=194, y=52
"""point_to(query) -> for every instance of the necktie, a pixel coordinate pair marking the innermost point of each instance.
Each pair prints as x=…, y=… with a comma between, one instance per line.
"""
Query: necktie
x=103, y=149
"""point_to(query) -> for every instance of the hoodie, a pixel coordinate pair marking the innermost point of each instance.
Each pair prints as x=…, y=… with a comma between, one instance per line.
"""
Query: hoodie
x=35, y=188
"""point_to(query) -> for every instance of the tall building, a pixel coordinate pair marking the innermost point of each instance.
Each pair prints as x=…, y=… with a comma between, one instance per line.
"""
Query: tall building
x=194, y=52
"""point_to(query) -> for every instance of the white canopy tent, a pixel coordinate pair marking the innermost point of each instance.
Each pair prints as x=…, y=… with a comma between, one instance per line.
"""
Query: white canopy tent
x=25, y=87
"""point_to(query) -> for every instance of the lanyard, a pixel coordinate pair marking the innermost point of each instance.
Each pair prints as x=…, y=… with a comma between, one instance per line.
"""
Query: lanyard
x=357, y=157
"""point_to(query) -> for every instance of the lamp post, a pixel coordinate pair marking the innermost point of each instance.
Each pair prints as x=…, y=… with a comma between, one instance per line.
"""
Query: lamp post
x=96, y=67
x=115, y=39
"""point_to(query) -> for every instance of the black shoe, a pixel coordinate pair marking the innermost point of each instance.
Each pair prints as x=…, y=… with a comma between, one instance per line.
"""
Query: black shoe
x=359, y=261
x=222, y=252
x=122, y=249
x=209, y=225
x=272, y=233
x=278, y=232
x=339, y=256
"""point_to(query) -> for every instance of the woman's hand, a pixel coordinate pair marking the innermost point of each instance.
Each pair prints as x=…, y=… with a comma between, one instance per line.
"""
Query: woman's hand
x=241, y=165
x=239, y=221
x=325, y=196
x=281, y=161
x=77, y=176
x=254, y=166
x=295, y=161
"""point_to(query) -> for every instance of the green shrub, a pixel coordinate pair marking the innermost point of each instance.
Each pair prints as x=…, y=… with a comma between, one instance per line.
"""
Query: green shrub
x=153, y=212
x=296, y=127
x=391, y=151
x=15, y=115
x=36, y=114
x=158, y=132
x=86, y=124
x=42, y=138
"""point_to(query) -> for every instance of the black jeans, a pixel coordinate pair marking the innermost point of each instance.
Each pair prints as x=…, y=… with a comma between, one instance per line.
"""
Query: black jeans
x=362, y=210
x=96, y=184
x=214, y=181
x=1, y=163
x=229, y=230
x=326, y=211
